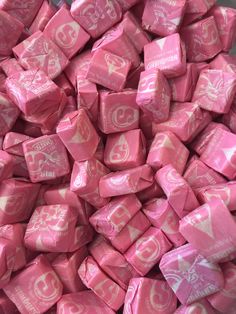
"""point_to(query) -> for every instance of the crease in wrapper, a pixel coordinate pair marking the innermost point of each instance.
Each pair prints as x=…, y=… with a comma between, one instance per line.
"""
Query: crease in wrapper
x=229, y=119
x=13, y=143
x=151, y=192
x=127, y=4
x=9, y=112
x=195, y=9
x=11, y=66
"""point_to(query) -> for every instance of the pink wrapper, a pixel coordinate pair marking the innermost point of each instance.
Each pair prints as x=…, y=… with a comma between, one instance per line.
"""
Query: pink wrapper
x=66, y=33
x=148, y=250
x=46, y=158
x=201, y=45
x=6, y=306
x=118, y=112
x=167, y=54
x=13, y=143
x=11, y=66
x=7, y=261
x=201, y=307
x=96, y=16
x=70, y=106
x=150, y=296
x=163, y=18
x=66, y=267
x=153, y=95
x=2, y=82
x=203, y=228
x=178, y=191
x=178, y=267
x=112, y=262
x=153, y=191
x=36, y=288
x=215, y=90
x=127, y=4
x=195, y=9
x=220, y=153
x=126, y=181
x=96, y=280
x=113, y=217
x=64, y=84
x=6, y=165
x=108, y=70
x=38, y=52
x=162, y=216
x=78, y=135
x=18, y=192
x=131, y=232
x=85, y=178
x=8, y=114
x=224, y=62
x=85, y=301
x=166, y=149
x=229, y=119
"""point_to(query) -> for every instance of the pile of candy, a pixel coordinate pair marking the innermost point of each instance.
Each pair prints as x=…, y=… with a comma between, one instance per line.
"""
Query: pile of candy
x=118, y=157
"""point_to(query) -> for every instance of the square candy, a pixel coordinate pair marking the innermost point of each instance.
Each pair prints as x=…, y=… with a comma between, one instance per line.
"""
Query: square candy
x=6, y=165
x=9, y=112
x=13, y=143
x=203, y=228
x=224, y=62
x=108, y=70
x=166, y=54
x=66, y=33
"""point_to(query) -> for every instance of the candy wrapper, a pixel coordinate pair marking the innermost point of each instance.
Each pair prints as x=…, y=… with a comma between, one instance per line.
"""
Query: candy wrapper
x=178, y=191
x=203, y=228
x=178, y=266
x=202, y=306
x=224, y=62
x=148, y=250
x=36, y=288
x=195, y=9
x=13, y=143
x=11, y=66
x=166, y=149
x=78, y=135
x=96, y=280
x=118, y=111
x=6, y=165
x=162, y=216
x=151, y=296
x=7, y=261
x=167, y=54
x=113, y=217
x=8, y=113
x=6, y=306
x=126, y=181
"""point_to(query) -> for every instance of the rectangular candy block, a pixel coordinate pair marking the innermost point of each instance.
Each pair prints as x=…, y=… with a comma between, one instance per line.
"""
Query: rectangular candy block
x=7, y=261
x=162, y=216
x=203, y=228
x=78, y=135
x=179, y=193
x=215, y=90
x=9, y=112
x=37, y=52
x=105, y=288
x=163, y=17
x=195, y=9
x=224, y=62
x=178, y=267
x=146, y=295
x=201, y=306
x=108, y=70
x=96, y=16
x=13, y=143
x=126, y=181
x=36, y=288
x=6, y=165
x=166, y=54
x=118, y=112
x=113, y=217
x=166, y=149
x=148, y=250
x=46, y=158
x=66, y=33
x=153, y=95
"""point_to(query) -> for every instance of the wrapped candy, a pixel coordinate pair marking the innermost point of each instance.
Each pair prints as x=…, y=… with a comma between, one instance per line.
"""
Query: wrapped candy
x=6, y=165
x=8, y=113
x=195, y=9
x=224, y=62
x=11, y=66
x=13, y=143
x=202, y=306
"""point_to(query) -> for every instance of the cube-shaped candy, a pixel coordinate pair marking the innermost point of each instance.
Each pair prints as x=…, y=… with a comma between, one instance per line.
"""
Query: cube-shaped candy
x=7, y=261
x=142, y=293
x=6, y=165
x=36, y=288
x=201, y=306
x=167, y=54
x=22, y=193
x=162, y=216
x=108, y=70
x=85, y=178
x=118, y=112
x=51, y=229
x=126, y=181
x=11, y=66
x=224, y=62
x=46, y=158
x=78, y=135
x=179, y=193
x=178, y=267
x=131, y=232
x=195, y=9
x=96, y=16
x=37, y=52
x=163, y=18
x=201, y=45
x=153, y=95
x=96, y=280
x=66, y=33
x=166, y=149
x=13, y=143
x=203, y=228
x=6, y=305
x=113, y=217
x=148, y=250
x=8, y=113
x=215, y=90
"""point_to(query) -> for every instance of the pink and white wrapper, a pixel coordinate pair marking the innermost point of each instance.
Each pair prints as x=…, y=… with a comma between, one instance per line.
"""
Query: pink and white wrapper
x=190, y=275
x=8, y=113
x=203, y=228
x=7, y=261
x=13, y=143
x=6, y=165
x=201, y=307
x=224, y=62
